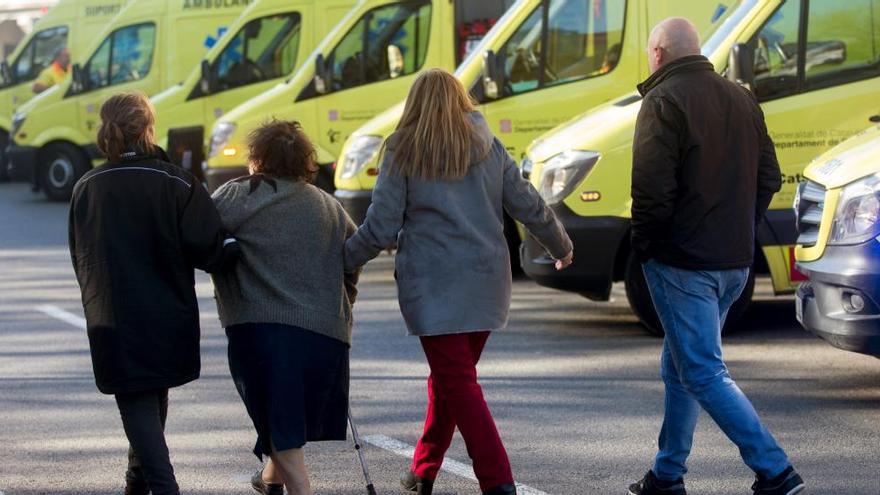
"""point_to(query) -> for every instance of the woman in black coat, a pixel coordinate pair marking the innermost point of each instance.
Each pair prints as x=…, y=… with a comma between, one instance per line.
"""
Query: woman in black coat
x=139, y=226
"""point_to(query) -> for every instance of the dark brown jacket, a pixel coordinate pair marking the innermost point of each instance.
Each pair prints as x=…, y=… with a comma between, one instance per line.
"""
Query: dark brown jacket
x=138, y=229
x=704, y=169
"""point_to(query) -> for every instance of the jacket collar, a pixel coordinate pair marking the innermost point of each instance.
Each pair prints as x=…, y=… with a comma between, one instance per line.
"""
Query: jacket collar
x=690, y=63
x=136, y=155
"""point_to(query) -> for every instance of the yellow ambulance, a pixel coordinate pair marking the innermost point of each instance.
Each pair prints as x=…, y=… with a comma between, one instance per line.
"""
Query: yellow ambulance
x=264, y=45
x=838, y=219
x=148, y=46
x=364, y=65
x=815, y=67
x=68, y=24
x=590, y=52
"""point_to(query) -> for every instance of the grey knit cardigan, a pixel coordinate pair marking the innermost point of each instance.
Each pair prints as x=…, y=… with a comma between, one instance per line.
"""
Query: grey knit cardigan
x=292, y=237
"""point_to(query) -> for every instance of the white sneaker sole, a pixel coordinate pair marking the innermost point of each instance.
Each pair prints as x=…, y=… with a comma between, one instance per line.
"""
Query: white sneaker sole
x=798, y=489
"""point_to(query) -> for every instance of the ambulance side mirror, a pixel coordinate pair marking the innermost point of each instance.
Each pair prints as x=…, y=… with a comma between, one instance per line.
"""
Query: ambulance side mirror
x=79, y=81
x=321, y=75
x=742, y=66
x=5, y=73
x=493, y=75
x=207, y=82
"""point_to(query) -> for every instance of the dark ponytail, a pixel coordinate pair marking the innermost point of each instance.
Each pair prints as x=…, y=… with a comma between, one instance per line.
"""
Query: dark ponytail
x=127, y=121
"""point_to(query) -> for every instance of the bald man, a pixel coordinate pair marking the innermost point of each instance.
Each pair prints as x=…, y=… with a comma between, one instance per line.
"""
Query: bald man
x=704, y=171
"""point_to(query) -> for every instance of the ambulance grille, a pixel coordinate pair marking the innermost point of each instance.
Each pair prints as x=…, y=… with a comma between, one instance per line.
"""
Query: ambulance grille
x=809, y=212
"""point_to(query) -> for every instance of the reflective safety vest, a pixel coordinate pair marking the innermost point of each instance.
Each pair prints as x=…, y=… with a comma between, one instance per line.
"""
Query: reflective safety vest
x=52, y=75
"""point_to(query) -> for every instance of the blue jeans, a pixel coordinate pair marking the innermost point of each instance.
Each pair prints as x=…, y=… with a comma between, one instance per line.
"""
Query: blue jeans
x=692, y=306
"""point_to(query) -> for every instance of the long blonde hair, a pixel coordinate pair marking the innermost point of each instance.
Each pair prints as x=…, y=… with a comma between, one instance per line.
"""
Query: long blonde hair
x=435, y=136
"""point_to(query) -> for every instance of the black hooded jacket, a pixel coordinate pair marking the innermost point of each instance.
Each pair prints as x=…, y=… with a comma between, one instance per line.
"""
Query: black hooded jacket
x=137, y=231
x=704, y=169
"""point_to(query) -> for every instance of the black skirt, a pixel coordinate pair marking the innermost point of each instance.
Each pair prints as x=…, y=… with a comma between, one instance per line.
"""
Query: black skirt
x=294, y=384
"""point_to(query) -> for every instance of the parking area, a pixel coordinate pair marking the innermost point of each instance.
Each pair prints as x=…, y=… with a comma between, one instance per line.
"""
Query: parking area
x=574, y=386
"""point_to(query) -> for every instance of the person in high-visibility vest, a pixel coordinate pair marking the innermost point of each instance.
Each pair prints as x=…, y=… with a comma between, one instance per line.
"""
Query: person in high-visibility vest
x=54, y=73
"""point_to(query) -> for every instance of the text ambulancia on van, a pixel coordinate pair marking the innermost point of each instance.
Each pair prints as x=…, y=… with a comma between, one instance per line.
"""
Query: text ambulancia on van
x=148, y=46
x=366, y=64
x=68, y=24
x=814, y=66
x=264, y=45
x=544, y=62
x=838, y=219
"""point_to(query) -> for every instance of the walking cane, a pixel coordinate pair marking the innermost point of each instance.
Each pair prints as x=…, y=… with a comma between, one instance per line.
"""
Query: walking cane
x=371, y=490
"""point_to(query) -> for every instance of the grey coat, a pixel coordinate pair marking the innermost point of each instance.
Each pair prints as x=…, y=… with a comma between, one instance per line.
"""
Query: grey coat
x=452, y=265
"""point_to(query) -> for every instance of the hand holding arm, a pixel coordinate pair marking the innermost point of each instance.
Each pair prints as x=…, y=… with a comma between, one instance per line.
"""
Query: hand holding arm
x=206, y=244
x=384, y=217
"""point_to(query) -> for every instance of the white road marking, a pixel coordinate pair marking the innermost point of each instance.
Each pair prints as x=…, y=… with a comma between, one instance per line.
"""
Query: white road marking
x=450, y=465
x=383, y=442
x=65, y=316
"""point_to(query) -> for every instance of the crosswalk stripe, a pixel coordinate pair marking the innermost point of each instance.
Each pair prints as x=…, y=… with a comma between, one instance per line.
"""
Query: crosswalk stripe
x=449, y=465
x=65, y=316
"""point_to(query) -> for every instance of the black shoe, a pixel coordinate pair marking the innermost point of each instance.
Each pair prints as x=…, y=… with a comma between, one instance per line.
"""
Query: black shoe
x=266, y=488
x=506, y=489
x=787, y=483
x=412, y=483
x=136, y=482
x=650, y=485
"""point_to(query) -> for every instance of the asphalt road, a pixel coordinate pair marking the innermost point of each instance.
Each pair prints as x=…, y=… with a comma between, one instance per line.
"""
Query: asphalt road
x=574, y=387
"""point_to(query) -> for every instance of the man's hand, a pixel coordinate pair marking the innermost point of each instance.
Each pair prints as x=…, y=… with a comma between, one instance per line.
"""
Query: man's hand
x=565, y=262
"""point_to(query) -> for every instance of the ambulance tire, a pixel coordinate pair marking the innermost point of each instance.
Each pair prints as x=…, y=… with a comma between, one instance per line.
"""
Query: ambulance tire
x=640, y=302
x=61, y=165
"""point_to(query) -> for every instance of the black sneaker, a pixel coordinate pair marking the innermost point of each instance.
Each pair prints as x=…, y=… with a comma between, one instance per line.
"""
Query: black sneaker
x=787, y=483
x=412, y=483
x=136, y=482
x=266, y=488
x=650, y=485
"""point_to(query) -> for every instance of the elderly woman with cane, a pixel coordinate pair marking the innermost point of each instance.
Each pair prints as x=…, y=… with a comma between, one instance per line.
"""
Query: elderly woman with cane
x=444, y=184
x=287, y=305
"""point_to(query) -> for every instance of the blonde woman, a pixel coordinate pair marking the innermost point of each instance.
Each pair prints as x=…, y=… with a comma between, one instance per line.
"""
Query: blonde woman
x=444, y=185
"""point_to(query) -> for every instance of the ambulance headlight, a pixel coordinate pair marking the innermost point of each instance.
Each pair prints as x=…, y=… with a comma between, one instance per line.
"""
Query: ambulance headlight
x=362, y=150
x=562, y=173
x=858, y=211
x=17, y=122
x=220, y=139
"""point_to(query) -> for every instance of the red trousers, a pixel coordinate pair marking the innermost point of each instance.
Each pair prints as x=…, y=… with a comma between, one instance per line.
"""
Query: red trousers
x=456, y=399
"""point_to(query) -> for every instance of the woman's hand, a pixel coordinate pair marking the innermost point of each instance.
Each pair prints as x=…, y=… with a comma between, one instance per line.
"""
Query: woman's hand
x=565, y=262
